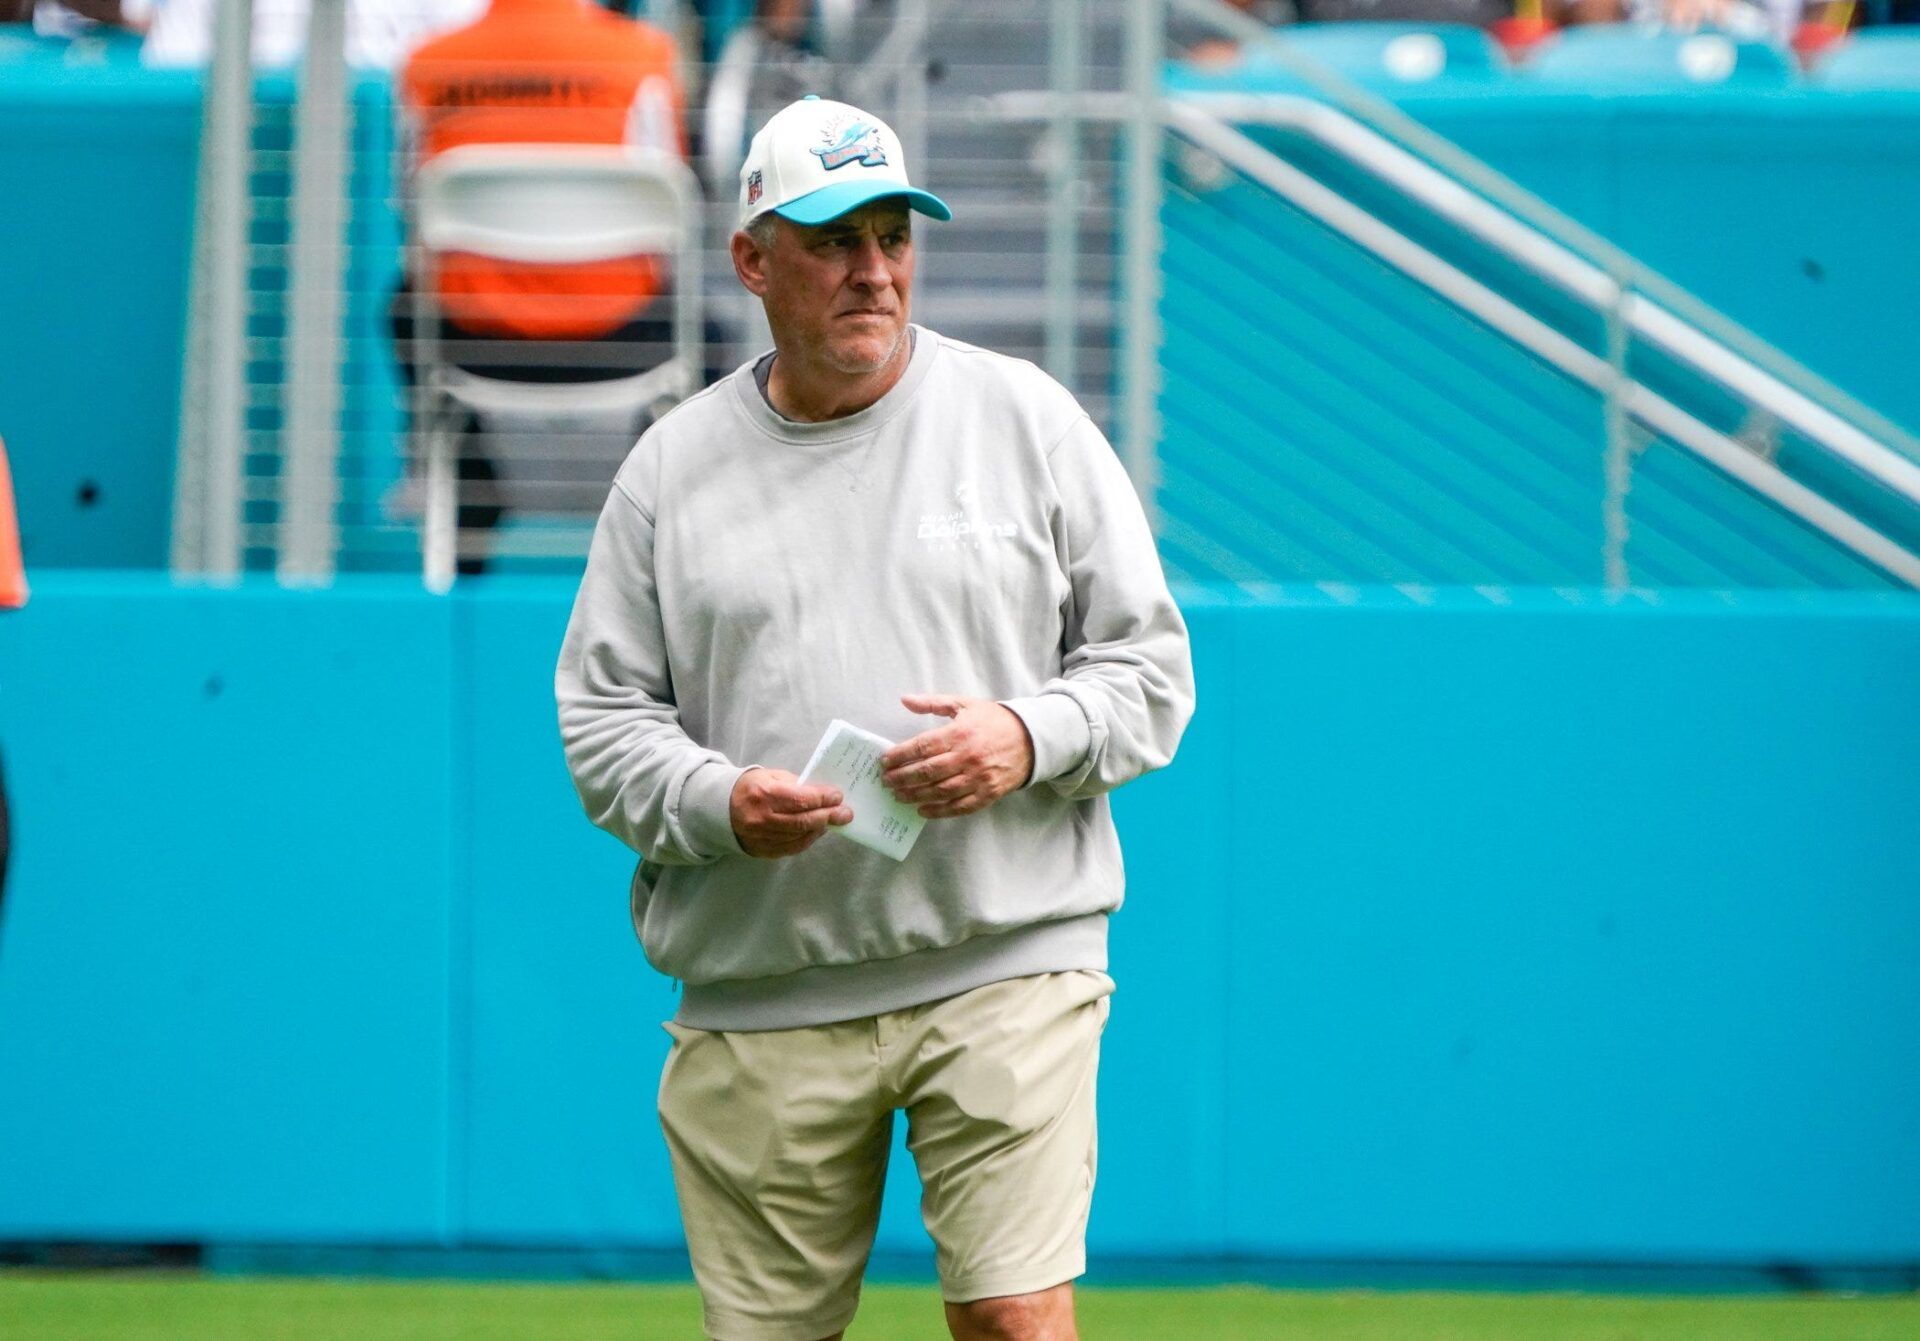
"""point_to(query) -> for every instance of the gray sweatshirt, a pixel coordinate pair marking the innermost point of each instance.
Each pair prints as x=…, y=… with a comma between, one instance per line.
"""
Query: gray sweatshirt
x=752, y=578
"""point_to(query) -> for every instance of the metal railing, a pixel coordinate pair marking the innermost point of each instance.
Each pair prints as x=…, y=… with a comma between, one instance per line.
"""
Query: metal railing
x=1637, y=310
x=296, y=455
x=1209, y=121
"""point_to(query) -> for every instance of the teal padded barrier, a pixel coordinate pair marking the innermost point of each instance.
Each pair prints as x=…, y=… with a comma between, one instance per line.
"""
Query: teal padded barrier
x=1469, y=928
x=1574, y=948
x=1380, y=54
x=561, y=1045
x=224, y=966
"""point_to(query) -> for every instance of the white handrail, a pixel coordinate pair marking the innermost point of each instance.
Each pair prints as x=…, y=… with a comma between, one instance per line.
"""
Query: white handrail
x=1371, y=109
x=1261, y=165
x=1568, y=270
x=1763, y=476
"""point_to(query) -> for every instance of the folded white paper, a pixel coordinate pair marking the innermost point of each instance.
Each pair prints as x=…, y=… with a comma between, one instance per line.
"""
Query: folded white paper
x=849, y=758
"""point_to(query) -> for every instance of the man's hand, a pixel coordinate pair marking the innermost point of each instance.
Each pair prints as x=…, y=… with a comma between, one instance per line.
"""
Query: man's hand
x=776, y=815
x=963, y=766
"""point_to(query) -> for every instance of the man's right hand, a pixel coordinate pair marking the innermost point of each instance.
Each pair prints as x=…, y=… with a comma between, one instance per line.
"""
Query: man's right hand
x=776, y=815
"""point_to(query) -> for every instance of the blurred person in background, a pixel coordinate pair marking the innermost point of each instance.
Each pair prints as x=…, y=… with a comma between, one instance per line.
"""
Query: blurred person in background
x=1474, y=13
x=76, y=18
x=379, y=32
x=13, y=595
x=541, y=72
x=1204, y=44
x=1758, y=20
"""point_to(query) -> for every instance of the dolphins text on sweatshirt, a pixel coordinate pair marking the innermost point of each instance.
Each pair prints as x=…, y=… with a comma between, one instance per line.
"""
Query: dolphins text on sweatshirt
x=752, y=578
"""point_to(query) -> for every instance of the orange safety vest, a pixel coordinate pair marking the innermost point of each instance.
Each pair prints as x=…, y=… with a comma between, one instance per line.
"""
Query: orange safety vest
x=13, y=573
x=545, y=72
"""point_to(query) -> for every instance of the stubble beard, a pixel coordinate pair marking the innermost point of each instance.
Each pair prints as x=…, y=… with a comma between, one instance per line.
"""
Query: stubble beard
x=845, y=362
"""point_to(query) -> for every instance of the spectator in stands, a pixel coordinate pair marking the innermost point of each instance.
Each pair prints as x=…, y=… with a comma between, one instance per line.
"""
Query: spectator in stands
x=51, y=18
x=1204, y=44
x=13, y=595
x=1767, y=20
x=1477, y=13
x=379, y=32
x=542, y=72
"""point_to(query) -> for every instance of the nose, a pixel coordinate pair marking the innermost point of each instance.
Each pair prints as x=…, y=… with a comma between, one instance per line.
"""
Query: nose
x=870, y=268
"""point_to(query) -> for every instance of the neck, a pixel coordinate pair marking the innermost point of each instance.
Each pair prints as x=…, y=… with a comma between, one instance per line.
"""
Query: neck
x=812, y=394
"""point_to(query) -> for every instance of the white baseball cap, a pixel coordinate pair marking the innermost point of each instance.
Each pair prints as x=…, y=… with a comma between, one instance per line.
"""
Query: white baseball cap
x=816, y=159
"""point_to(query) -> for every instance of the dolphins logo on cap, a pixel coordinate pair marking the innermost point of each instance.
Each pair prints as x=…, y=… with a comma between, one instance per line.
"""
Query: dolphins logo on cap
x=857, y=142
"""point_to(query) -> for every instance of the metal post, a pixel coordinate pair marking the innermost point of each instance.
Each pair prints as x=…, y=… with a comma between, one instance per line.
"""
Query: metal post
x=210, y=454
x=910, y=88
x=308, y=530
x=1618, y=448
x=1140, y=243
x=1063, y=194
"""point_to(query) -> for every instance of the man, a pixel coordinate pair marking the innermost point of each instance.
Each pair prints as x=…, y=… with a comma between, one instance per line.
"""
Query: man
x=13, y=595
x=545, y=72
x=877, y=524
x=540, y=72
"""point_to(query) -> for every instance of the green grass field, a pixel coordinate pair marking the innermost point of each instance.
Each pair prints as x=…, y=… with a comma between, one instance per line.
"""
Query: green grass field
x=48, y=1306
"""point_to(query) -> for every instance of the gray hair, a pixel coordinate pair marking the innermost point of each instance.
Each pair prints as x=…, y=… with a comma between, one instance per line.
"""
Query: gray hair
x=760, y=228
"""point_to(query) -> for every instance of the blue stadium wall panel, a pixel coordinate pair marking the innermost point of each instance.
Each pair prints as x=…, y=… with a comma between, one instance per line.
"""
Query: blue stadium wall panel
x=96, y=193
x=1469, y=927
x=562, y=1043
x=224, y=968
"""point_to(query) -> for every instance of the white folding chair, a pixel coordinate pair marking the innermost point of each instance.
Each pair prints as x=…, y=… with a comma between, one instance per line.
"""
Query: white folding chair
x=553, y=204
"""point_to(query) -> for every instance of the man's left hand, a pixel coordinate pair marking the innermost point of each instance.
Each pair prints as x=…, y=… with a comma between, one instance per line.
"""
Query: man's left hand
x=964, y=766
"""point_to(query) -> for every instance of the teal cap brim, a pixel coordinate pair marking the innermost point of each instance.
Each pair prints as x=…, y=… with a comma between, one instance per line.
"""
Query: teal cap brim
x=830, y=202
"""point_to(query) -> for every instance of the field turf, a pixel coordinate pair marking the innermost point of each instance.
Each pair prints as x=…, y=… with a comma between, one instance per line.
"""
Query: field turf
x=47, y=1306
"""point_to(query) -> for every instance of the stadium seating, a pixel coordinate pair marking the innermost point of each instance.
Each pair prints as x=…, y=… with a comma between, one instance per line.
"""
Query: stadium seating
x=1619, y=57
x=548, y=203
x=1389, y=54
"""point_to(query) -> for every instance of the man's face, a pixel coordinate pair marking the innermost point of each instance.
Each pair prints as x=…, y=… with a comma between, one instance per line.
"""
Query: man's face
x=837, y=293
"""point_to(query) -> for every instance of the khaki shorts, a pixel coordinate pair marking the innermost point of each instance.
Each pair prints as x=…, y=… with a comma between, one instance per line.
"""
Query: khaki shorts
x=780, y=1139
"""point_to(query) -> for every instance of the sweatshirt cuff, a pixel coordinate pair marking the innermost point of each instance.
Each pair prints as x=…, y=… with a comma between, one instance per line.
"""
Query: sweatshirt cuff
x=1059, y=731
x=706, y=809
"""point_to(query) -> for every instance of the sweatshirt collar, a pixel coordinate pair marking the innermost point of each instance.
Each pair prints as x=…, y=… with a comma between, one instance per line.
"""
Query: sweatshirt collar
x=829, y=432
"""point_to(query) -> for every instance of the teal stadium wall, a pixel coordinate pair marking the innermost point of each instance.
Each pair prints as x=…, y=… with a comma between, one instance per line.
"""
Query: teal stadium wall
x=1467, y=928
x=97, y=184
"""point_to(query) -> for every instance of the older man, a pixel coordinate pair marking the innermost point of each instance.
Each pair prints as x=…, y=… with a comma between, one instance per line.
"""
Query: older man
x=880, y=525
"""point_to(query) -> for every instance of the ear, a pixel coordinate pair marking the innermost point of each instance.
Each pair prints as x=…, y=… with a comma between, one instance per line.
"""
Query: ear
x=749, y=263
